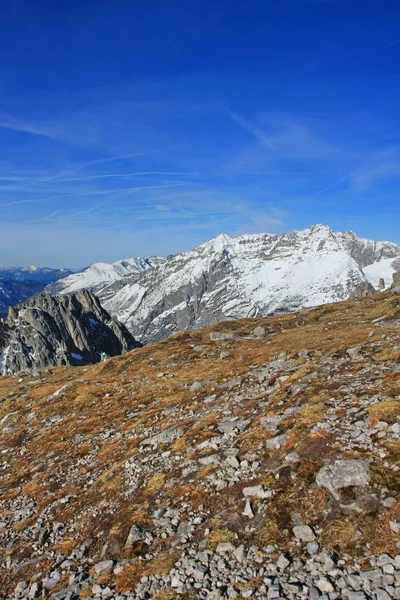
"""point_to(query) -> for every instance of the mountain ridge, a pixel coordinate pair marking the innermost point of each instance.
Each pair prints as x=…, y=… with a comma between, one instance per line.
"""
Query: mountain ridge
x=253, y=274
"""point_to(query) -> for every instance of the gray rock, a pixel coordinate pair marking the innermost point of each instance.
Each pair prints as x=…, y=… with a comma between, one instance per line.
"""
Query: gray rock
x=313, y=548
x=282, y=563
x=353, y=351
x=276, y=442
x=304, y=533
x=248, y=511
x=211, y=459
x=292, y=457
x=165, y=437
x=50, y=582
x=218, y=336
x=197, y=385
x=259, y=332
x=382, y=594
x=34, y=590
x=271, y=423
x=135, y=535
x=103, y=566
x=239, y=553
x=257, y=491
x=20, y=588
x=230, y=426
x=324, y=585
x=395, y=527
x=343, y=473
x=225, y=547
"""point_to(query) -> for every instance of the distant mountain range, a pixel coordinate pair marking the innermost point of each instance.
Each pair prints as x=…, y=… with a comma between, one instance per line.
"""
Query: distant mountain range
x=17, y=284
x=230, y=278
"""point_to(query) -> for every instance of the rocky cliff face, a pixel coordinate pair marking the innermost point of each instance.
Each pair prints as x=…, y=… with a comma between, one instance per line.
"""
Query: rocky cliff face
x=66, y=330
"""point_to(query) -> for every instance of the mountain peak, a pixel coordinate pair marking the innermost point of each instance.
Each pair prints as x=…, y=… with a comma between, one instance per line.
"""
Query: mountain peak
x=216, y=244
x=321, y=227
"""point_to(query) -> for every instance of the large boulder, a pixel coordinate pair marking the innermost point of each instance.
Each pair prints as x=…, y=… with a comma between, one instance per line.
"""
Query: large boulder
x=343, y=474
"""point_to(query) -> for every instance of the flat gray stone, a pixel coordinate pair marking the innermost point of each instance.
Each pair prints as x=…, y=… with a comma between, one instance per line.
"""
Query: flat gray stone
x=344, y=473
x=276, y=442
x=304, y=533
x=165, y=437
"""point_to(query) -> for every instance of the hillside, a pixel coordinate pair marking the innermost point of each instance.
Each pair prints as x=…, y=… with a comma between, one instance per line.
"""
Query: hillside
x=231, y=278
x=254, y=458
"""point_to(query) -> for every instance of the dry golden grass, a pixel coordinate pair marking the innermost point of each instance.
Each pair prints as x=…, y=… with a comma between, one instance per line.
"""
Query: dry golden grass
x=306, y=420
x=161, y=564
x=180, y=446
x=166, y=595
x=130, y=575
x=155, y=484
x=220, y=536
x=104, y=578
x=388, y=355
x=341, y=534
x=388, y=410
x=388, y=308
x=253, y=439
x=85, y=593
x=206, y=422
x=22, y=525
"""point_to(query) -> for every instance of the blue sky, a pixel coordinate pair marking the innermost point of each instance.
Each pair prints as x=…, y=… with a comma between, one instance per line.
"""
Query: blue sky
x=133, y=128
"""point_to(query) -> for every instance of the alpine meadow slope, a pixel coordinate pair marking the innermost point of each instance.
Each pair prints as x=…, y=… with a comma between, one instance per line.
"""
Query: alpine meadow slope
x=231, y=278
x=257, y=458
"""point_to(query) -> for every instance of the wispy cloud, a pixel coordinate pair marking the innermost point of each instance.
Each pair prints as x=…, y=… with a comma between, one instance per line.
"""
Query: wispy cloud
x=252, y=129
x=123, y=175
x=394, y=43
x=30, y=201
x=109, y=159
x=26, y=127
x=366, y=177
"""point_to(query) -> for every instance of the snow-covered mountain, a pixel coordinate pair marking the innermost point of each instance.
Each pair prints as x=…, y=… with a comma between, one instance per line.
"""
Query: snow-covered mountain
x=17, y=284
x=100, y=274
x=252, y=275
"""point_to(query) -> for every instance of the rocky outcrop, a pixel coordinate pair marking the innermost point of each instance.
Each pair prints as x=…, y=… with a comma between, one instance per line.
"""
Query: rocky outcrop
x=396, y=282
x=60, y=330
